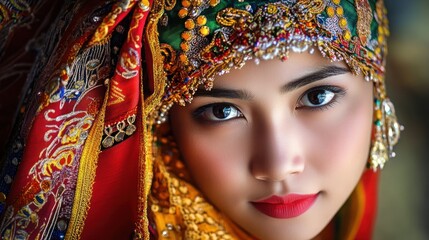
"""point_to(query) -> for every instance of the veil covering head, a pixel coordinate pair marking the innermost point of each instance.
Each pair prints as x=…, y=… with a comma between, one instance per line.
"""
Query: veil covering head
x=92, y=124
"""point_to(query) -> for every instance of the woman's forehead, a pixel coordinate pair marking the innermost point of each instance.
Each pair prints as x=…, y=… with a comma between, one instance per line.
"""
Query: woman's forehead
x=298, y=65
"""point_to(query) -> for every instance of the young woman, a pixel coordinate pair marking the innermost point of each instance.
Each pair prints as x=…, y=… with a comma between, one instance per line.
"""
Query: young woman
x=204, y=120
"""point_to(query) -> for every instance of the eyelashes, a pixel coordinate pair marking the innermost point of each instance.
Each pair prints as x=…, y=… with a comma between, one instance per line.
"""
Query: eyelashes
x=217, y=112
x=320, y=98
x=315, y=99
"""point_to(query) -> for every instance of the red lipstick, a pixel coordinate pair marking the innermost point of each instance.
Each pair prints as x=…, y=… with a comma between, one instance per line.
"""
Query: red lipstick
x=288, y=206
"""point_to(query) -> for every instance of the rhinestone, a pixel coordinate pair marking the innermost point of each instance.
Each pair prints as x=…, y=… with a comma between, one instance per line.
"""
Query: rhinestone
x=96, y=19
x=7, y=179
x=388, y=107
x=164, y=233
x=62, y=225
x=169, y=226
x=108, y=142
x=378, y=155
x=130, y=129
x=394, y=131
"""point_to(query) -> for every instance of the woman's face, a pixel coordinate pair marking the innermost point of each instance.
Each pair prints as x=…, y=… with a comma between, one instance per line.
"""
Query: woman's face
x=278, y=147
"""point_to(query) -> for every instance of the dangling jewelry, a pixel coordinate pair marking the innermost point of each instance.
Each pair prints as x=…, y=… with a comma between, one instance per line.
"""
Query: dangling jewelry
x=386, y=135
x=108, y=139
x=119, y=137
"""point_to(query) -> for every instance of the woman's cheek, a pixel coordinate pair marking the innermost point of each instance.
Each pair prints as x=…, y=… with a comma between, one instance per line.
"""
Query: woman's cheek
x=345, y=141
x=215, y=157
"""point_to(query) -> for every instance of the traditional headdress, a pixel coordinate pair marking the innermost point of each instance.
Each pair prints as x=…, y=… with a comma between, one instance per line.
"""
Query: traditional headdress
x=108, y=89
x=201, y=39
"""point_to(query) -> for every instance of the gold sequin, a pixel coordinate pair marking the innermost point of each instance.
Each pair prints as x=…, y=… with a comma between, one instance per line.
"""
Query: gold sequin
x=189, y=24
x=330, y=11
x=347, y=35
x=204, y=31
x=381, y=30
x=184, y=46
x=201, y=20
x=380, y=38
x=214, y=3
x=378, y=114
x=155, y=208
x=340, y=11
x=272, y=9
x=336, y=1
x=198, y=2
x=172, y=210
x=343, y=23
x=183, y=59
x=186, y=35
x=186, y=3
x=183, y=12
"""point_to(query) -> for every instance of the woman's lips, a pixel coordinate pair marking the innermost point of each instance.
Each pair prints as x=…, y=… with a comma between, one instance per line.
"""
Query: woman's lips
x=288, y=206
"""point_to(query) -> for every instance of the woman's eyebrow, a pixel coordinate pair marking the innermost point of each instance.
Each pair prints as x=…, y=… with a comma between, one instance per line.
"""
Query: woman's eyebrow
x=224, y=93
x=323, y=73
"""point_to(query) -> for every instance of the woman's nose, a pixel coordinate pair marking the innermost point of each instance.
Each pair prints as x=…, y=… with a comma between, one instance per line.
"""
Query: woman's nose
x=277, y=155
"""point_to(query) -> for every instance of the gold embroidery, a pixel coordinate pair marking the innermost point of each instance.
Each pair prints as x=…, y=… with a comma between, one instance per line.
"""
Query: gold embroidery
x=364, y=13
x=231, y=16
x=86, y=176
x=145, y=152
x=109, y=21
x=116, y=95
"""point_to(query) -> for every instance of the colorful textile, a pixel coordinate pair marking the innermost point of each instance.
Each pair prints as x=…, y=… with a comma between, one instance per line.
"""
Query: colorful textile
x=90, y=157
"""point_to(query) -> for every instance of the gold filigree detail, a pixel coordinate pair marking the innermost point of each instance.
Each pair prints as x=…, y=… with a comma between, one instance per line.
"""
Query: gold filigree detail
x=198, y=219
x=313, y=6
x=364, y=14
x=169, y=4
x=169, y=55
x=231, y=16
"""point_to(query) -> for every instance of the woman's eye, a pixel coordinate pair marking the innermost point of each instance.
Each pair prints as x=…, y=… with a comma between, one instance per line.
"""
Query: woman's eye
x=319, y=97
x=217, y=112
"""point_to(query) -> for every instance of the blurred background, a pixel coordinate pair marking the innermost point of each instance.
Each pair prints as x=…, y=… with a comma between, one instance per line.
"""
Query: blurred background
x=403, y=212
